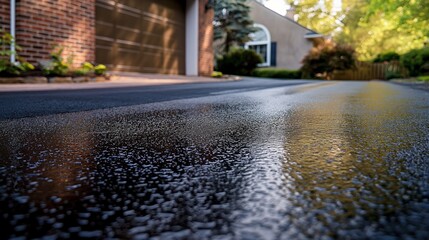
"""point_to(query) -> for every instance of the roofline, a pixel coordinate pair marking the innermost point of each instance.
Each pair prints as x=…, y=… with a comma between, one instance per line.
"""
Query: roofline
x=314, y=35
x=285, y=17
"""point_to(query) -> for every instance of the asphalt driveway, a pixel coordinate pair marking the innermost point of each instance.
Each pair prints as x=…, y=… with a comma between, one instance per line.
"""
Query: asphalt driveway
x=243, y=160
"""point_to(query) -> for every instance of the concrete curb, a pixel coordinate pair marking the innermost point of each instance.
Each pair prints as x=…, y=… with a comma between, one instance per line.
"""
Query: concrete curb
x=50, y=80
x=116, y=81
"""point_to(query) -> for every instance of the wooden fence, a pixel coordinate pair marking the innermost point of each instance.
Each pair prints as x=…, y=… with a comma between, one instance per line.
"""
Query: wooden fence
x=370, y=71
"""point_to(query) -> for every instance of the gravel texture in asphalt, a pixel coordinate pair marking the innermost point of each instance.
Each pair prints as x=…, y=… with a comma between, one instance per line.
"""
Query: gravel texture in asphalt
x=320, y=160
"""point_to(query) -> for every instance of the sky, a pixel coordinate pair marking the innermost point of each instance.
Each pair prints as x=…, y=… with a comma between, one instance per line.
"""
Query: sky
x=280, y=6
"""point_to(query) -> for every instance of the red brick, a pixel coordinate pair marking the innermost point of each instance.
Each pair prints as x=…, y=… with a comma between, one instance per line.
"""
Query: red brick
x=5, y=15
x=41, y=25
x=205, y=53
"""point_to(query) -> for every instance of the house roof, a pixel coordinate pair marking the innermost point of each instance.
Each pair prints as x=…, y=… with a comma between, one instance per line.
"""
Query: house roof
x=311, y=34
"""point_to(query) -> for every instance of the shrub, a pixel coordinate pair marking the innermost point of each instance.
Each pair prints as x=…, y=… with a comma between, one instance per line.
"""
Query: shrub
x=277, y=73
x=80, y=72
x=5, y=40
x=393, y=74
x=100, y=69
x=387, y=57
x=85, y=69
x=423, y=78
x=57, y=66
x=416, y=61
x=86, y=66
x=326, y=58
x=216, y=74
x=8, y=68
x=239, y=62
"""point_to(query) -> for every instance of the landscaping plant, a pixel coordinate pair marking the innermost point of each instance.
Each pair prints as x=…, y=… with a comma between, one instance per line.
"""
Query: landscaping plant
x=239, y=62
x=58, y=65
x=423, y=78
x=216, y=74
x=100, y=70
x=85, y=69
x=277, y=73
x=8, y=68
x=326, y=58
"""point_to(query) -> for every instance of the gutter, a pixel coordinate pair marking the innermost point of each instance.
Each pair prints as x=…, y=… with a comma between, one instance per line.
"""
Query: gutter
x=12, y=30
x=315, y=35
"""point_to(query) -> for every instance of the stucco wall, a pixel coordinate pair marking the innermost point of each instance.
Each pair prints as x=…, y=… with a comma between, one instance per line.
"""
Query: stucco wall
x=291, y=44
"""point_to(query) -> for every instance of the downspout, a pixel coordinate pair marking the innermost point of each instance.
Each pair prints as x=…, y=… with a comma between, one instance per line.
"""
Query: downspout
x=191, y=55
x=12, y=30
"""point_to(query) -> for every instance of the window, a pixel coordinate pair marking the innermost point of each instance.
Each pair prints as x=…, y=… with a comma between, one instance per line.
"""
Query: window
x=261, y=43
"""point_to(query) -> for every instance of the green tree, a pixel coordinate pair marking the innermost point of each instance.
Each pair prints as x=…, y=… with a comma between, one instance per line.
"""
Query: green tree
x=232, y=23
x=372, y=26
x=322, y=16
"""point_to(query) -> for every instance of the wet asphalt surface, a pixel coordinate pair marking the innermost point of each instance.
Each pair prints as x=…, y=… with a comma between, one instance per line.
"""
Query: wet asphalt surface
x=39, y=103
x=319, y=160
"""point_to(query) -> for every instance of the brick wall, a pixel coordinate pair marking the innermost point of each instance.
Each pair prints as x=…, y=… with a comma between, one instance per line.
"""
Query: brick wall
x=4, y=15
x=43, y=24
x=205, y=55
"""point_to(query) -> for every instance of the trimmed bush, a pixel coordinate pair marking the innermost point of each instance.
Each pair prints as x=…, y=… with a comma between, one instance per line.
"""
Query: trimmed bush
x=277, y=73
x=416, y=61
x=239, y=62
x=387, y=57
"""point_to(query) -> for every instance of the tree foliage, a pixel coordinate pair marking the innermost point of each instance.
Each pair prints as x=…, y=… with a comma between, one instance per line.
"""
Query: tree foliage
x=371, y=26
x=232, y=23
x=416, y=61
x=387, y=57
x=326, y=58
x=322, y=16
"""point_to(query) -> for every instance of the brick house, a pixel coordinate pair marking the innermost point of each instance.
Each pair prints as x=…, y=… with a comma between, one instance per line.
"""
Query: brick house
x=151, y=36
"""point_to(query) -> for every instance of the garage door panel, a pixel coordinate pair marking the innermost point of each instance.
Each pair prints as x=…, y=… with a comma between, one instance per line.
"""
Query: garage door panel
x=167, y=35
x=128, y=57
x=128, y=19
x=134, y=38
x=151, y=26
x=150, y=40
x=145, y=36
x=105, y=32
x=166, y=9
x=131, y=3
x=104, y=52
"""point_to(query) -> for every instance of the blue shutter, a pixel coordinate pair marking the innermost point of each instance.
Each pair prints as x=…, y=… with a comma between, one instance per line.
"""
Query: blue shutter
x=273, y=54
